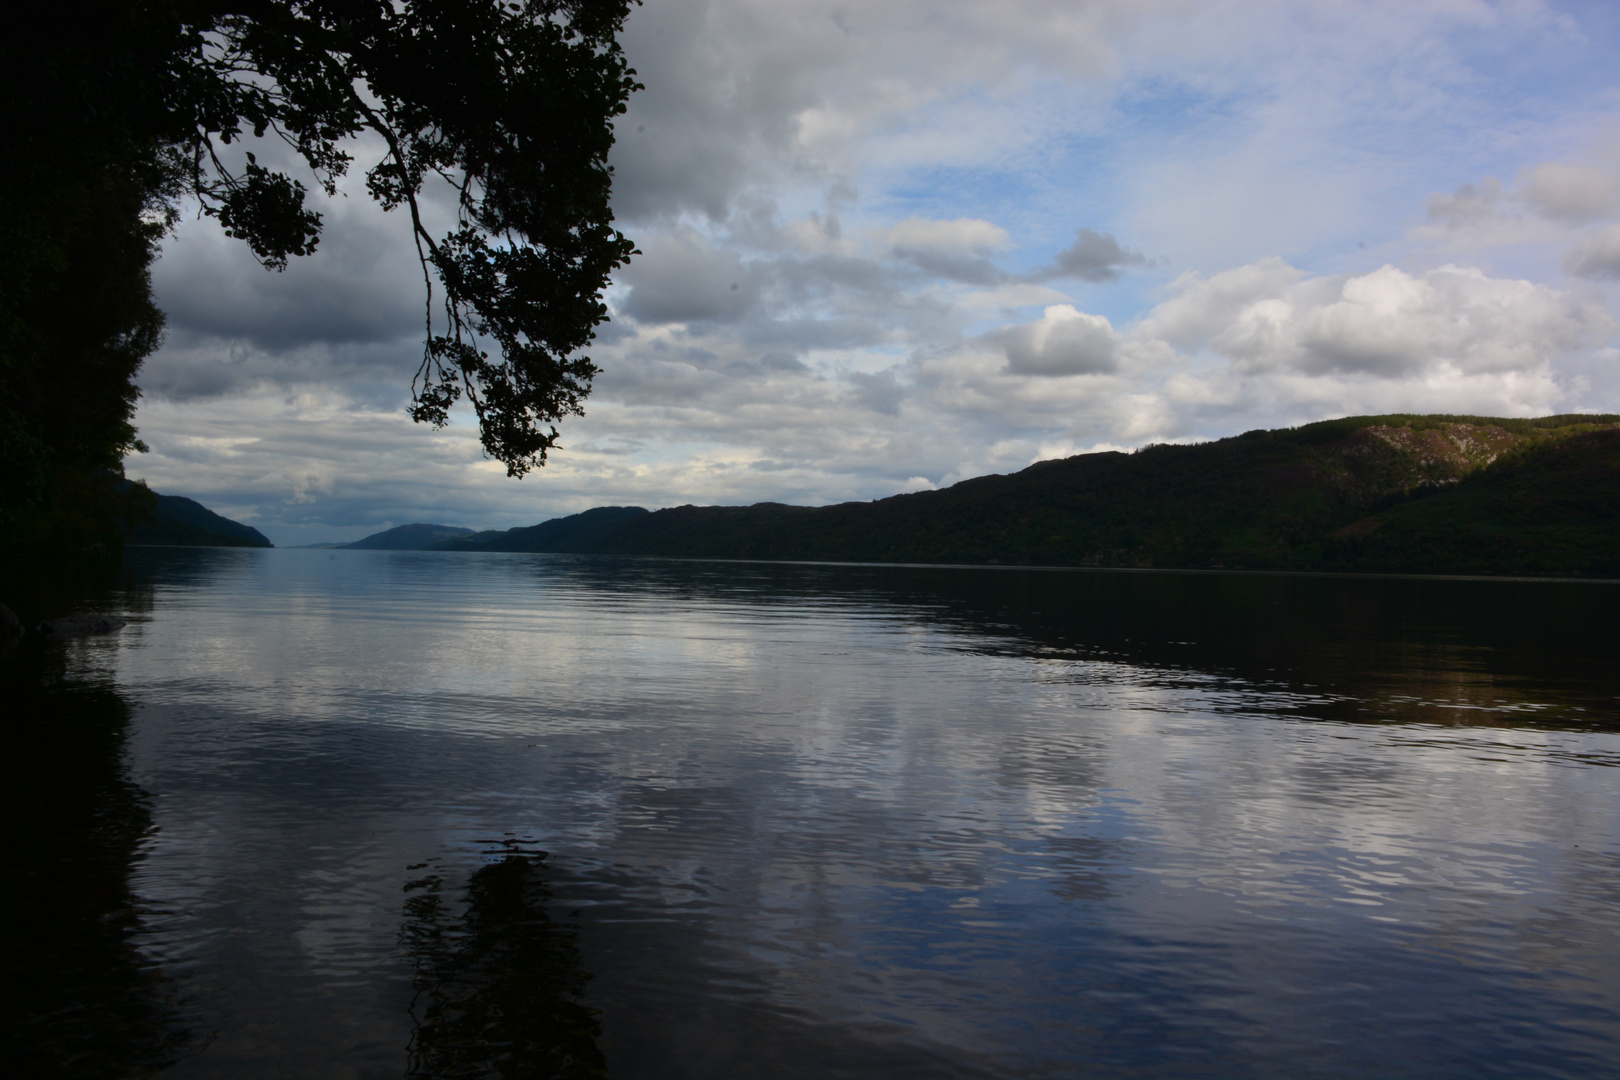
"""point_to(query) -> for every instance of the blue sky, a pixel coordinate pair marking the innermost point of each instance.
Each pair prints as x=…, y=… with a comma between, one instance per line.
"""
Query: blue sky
x=963, y=239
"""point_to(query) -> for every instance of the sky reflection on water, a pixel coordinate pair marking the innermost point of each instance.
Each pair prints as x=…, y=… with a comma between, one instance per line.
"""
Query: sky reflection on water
x=887, y=822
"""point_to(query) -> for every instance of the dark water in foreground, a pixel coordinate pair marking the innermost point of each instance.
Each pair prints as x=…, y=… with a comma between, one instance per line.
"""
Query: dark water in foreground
x=812, y=821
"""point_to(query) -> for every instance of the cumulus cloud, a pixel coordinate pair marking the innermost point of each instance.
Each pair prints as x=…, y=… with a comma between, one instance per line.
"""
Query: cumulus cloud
x=362, y=285
x=961, y=249
x=1559, y=191
x=1094, y=256
x=1064, y=341
x=1202, y=307
x=1597, y=256
x=967, y=271
x=956, y=236
x=957, y=250
x=193, y=367
x=817, y=233
x=744, y=96
x=879, y=391
x=1573, y=193
x=1270, y=317
x=1553, y=202
x=1470, y=204
x=681, y=276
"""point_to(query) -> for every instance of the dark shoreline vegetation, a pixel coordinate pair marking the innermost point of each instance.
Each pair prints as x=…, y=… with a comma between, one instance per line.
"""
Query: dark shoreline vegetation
x=1403, y=494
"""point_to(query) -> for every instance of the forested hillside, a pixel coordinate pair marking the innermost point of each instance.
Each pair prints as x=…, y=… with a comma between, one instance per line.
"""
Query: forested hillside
x=177, y=520
x=1375, y=493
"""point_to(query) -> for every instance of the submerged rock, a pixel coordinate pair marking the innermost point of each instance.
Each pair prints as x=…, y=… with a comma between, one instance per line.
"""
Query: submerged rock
x=78, y=626
x=10, y=625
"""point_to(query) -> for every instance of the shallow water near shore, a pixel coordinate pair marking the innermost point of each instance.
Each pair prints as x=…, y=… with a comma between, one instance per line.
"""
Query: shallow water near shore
x=364, y=814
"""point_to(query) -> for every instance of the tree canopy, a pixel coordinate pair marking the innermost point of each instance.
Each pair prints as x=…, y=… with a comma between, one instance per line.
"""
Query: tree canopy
x=121, y=116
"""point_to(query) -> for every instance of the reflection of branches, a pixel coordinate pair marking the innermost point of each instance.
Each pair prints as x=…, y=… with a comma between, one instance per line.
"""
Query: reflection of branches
x=497, y=989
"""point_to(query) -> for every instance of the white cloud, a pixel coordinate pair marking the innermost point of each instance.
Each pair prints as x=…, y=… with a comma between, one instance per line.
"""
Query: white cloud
x=1064, y=341
x=818, y=233
x=1200, y=308
x=1551, y=202
x=746, y=96
x=1596, y=256
x=1573, y=193
x=1093, y=256
x=956, y=236
x=1270, y=317
x=1470, y=205
x=681, y=276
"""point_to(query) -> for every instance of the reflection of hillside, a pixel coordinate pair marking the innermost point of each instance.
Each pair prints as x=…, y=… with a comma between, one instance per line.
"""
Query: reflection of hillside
x=90, y=1004
x=498, y=987
x=186, y=567
x=1404, y=650
x=80, y=583
x=1361, y=648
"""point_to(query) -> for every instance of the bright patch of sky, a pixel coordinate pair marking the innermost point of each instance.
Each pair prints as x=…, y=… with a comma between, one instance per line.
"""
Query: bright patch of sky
x=893, y=245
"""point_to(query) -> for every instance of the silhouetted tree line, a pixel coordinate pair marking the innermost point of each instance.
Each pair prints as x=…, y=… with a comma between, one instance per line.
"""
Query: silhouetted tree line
x=119, y=117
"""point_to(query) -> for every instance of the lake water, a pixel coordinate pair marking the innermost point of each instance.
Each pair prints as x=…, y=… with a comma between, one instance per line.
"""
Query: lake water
x=813, y=821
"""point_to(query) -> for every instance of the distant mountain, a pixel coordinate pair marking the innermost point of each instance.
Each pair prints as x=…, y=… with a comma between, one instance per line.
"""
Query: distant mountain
x=1457, y=494
x=409, y=538
x=183, y=521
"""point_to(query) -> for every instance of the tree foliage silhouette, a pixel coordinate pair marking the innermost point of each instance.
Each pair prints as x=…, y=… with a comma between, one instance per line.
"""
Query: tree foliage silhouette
x=119, y=115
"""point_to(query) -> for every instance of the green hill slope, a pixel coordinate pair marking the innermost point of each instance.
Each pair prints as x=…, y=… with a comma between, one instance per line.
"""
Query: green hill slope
x=1553, y=508
x=1417, y=493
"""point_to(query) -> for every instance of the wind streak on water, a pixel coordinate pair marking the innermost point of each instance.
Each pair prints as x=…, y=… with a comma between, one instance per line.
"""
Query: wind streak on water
x=887, y=822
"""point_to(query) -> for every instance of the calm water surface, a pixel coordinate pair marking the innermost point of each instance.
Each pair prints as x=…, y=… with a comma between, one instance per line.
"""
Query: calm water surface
x=366, y=814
